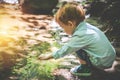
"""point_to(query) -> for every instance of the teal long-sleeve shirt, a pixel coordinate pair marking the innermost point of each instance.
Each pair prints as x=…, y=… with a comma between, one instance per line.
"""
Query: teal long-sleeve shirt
x=93, y=41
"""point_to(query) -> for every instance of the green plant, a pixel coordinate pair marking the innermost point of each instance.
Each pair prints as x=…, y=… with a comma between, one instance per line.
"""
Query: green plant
x=95, y=21
x=35, y=69
x=57, y=45
x=21, y=41
x=41, y=47
x=30, y=68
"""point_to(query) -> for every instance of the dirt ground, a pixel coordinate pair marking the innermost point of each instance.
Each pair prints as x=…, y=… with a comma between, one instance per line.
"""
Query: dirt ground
x=16, y=23
x=13, y=21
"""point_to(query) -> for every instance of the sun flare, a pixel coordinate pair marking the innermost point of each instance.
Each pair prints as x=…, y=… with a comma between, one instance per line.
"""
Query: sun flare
x=6, y=35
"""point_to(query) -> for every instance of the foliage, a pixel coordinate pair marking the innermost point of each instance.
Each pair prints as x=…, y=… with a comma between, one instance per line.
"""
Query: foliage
x=95, y=21
x=21, y=41
x=40, y=47
x=34, y=69
x=30, y=68
x=57, y=45
x=108, y=12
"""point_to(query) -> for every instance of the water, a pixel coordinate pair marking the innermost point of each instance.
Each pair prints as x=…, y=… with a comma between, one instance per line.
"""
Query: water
x=11, y=1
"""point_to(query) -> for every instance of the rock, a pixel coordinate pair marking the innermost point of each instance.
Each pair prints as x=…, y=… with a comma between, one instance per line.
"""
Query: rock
x=68, y=62
x=63, y=74
x=38, y=6
x=97, y=74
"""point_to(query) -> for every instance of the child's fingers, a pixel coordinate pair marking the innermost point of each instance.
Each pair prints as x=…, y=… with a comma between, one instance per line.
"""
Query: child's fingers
x=45, y=56
x=42, y=56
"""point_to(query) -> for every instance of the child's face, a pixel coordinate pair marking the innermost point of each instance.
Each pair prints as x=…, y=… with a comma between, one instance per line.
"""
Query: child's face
x=69, y=27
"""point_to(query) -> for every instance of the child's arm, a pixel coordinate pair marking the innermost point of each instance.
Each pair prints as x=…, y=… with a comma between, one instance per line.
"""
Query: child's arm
x=45, y=56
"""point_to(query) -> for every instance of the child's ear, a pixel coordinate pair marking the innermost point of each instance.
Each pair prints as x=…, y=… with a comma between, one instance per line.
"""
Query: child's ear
x=71, y=23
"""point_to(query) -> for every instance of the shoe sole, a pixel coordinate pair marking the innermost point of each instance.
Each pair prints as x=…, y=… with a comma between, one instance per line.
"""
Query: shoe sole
x=82, y=74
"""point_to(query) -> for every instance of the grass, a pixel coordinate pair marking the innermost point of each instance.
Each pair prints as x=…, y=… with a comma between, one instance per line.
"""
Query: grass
x=35, y=69
x=30, y=68
x=40, y=47
x=27, y=67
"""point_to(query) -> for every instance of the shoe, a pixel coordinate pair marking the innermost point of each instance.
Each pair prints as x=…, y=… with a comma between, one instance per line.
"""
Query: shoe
x=81, y=70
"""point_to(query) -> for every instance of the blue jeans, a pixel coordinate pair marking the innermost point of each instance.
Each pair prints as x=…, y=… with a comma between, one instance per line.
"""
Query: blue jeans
x=84, y=56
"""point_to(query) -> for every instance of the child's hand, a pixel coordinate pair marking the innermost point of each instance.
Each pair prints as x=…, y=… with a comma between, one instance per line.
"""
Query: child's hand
x=45, y=56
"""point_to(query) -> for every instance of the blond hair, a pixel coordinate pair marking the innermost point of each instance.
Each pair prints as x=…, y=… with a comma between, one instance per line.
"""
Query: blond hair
x=70, y=12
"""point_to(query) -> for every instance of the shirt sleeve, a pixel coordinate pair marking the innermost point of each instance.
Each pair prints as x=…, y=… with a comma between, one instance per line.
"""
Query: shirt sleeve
x=76, y=43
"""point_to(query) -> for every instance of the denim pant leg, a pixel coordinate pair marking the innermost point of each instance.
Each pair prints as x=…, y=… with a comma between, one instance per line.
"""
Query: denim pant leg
x=83, y=55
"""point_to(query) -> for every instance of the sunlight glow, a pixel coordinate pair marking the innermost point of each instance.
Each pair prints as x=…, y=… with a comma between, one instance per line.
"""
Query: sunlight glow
x=11, y=1
x=5, y=37
x=3, y=32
